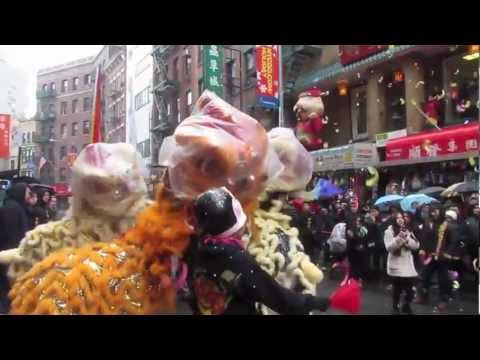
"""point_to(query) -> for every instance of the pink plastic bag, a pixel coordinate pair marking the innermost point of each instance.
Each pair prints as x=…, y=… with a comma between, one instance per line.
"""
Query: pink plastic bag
x=219, y=145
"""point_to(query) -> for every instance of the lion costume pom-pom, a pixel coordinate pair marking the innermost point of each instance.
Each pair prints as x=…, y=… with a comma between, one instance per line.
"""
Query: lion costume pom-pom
x=132, y=275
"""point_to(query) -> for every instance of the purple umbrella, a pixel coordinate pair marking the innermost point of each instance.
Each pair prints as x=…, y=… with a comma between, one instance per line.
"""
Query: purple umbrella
x=325, y=189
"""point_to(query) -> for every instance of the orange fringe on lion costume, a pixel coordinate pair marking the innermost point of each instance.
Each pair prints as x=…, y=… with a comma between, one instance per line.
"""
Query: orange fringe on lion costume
x=132, y=275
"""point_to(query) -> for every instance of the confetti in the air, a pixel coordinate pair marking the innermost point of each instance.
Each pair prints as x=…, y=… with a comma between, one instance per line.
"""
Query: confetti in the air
x=325, y=120
x=380, y=79
x=410, y=81
x=358, y=75
x=325, y=145
x=433, y=72
x=358, y=104
x=389, y=85
x=337, y=130
x=402, y=101
x=414, y=103
x=335, y=124
x=378, y=100
x=415, y=64
x=419, y=83
x=456, y=72
x=350, y=141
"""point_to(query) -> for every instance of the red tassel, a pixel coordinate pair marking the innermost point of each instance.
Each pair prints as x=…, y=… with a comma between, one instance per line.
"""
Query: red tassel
x=347, y=297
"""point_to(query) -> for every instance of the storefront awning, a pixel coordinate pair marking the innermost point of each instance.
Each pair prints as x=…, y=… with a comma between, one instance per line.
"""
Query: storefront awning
x=452, y=143
x=353, y=156
x=337, y=69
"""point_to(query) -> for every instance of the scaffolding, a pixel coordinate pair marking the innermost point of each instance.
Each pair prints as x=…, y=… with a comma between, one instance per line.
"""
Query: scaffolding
x=163, y=89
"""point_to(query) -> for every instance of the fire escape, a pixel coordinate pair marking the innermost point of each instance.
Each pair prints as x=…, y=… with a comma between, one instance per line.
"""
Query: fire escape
x=162, y=123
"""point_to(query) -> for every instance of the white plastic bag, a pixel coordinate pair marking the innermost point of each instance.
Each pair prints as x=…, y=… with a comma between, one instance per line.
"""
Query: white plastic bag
x=297, y=163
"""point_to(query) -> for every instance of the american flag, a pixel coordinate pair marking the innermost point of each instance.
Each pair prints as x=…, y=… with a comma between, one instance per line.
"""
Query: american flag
x=42, y=162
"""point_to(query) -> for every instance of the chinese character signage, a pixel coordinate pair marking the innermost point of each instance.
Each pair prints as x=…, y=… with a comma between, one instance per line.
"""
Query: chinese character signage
x=213, y=68
x=4, y=136
x=353, y=53
x=267, y=76
x=455, y=140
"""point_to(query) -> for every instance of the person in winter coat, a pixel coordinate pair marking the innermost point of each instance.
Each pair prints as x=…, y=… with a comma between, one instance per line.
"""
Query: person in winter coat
x=375, y=246
x=356, y=234
x=45, y=213
x=471, y=233
x=224, y=278
x=437, y=237
x=14, y=223
x=400, y=242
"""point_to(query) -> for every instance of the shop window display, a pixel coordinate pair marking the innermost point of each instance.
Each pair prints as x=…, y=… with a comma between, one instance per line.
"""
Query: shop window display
x=395, y=103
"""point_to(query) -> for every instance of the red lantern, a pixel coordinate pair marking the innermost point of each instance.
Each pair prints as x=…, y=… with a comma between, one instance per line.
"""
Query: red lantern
x=342, y=88
x=398, y=77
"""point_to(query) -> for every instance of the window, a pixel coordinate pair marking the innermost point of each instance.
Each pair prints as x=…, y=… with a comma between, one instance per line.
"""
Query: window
x=76, y=83
x=64, y=86
x=52, y=86
x=200, y=54
x=52, y=132
x=51, y=108
x=87, y=79
x=175, y=69
x=249, y=60
x=51, y=155
x=63, y=174
x=44, y=130
x=45, y=87
x=43, y=108
x=178, y=110
x=73, y=149
x=86, y=127
x=74, y=129
x=142, y=98
x=187, y=65
x=24, y=138
x=74, y=106
x=461, y=85
x=87, y=104
x=395, y=104
x=63, y=130
x=12, y=164
x=147, y=148
x=63, y=152
x=189, y=97
x=63, y=108
x=358, y=106
x=200, y=87
x=29, y=137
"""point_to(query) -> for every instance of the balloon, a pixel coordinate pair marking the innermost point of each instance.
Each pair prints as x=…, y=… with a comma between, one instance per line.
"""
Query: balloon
x=373, y=180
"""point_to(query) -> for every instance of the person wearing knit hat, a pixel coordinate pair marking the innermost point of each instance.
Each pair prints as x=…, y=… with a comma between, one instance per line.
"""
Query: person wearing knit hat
x=225, y=280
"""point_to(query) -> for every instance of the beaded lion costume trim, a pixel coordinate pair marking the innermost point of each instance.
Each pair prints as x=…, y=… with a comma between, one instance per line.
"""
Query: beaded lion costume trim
x=131, y=275
x=277, y=249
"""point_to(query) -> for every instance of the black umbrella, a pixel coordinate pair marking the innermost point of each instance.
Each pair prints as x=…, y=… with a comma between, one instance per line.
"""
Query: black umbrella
x=461, y=188
x=433, y=191
x=25, y=179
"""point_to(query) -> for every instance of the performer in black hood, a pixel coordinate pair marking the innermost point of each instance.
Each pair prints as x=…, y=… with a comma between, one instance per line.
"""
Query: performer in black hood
x=224, y=278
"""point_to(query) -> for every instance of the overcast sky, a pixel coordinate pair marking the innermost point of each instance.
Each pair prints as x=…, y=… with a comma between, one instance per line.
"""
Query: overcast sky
x=30, y=58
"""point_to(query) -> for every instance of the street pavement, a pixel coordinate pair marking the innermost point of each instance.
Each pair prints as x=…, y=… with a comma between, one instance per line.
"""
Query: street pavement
x=377, y=300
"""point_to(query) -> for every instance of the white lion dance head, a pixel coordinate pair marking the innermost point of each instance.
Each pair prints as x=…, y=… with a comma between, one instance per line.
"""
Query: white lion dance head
x=107, y=180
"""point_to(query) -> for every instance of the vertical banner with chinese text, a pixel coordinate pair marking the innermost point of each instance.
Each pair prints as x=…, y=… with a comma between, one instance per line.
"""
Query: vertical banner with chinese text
x=267, y=76
x=4, y=136
x=213, y=68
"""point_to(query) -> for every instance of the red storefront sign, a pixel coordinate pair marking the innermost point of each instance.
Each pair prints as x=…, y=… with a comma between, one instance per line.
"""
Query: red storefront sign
x=352, y=53
x=453, y=140
x=267, y=76
x=4, y=136
x=62, y=189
